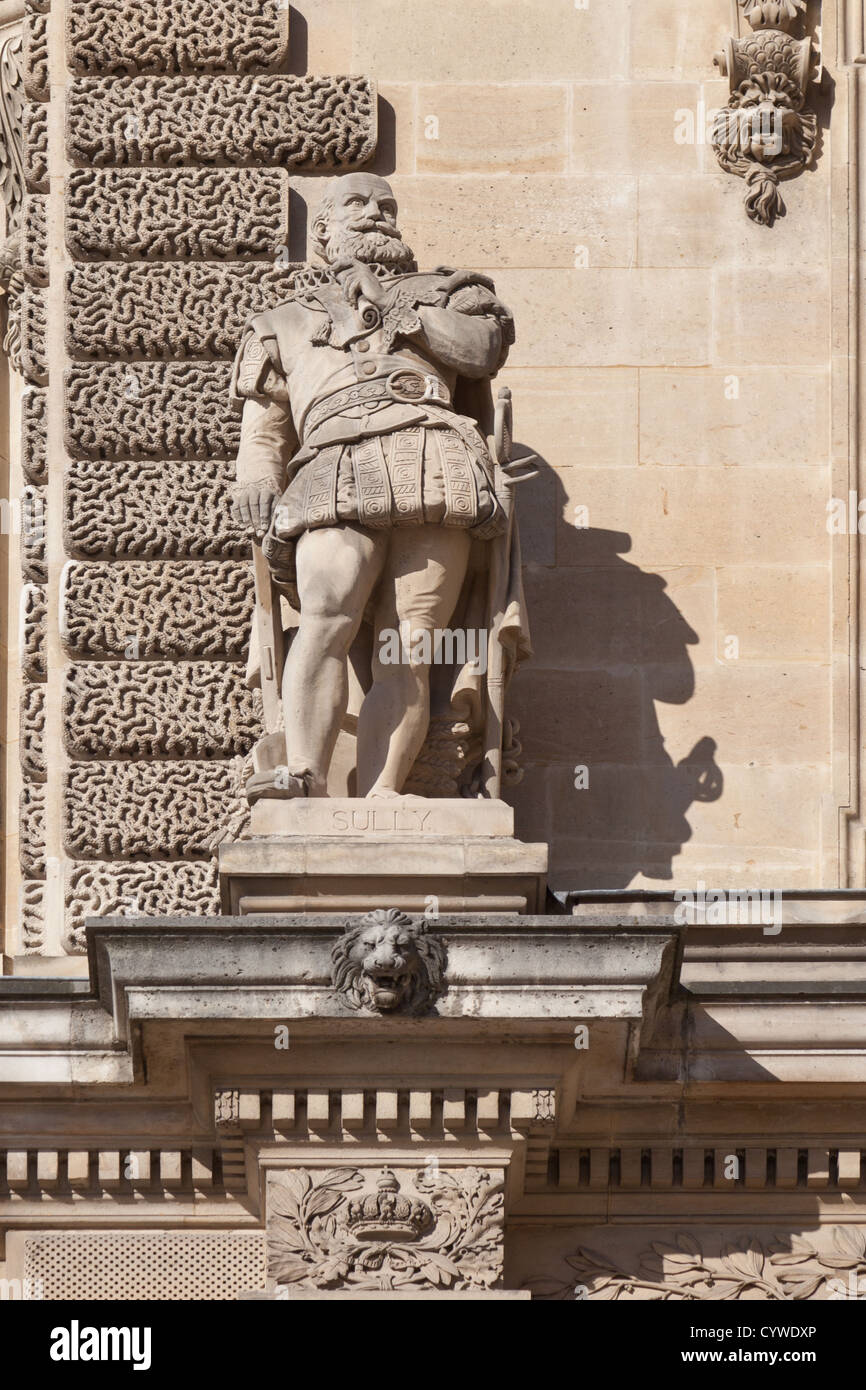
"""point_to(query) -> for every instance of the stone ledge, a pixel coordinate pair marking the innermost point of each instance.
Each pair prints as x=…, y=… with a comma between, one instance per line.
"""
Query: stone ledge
x=540, y=970
x=798, y=906
x=488, y=872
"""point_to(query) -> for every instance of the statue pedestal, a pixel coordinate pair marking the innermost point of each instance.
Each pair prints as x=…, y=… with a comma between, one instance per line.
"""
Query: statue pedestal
x=353, y=855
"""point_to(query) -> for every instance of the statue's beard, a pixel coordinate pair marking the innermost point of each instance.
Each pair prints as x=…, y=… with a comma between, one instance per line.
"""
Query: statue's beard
x=372, y=247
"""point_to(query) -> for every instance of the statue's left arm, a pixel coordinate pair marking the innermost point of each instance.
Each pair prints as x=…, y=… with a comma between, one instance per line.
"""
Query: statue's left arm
x=470, y=334
x=471, y=347
x=453, y=316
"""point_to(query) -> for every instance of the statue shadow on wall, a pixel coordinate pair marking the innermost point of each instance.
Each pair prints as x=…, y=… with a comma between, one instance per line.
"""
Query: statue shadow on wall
x=610, y=643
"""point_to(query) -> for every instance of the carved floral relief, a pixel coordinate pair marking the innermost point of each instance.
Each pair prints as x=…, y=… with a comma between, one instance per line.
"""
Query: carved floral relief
x=775, y=1270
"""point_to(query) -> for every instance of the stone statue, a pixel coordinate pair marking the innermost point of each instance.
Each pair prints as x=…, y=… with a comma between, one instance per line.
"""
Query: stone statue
x=379, y=517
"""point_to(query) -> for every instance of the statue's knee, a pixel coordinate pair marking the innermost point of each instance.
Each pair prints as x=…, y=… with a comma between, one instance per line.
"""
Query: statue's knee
x=331, y=632
x=412, y=678
x=404, y=653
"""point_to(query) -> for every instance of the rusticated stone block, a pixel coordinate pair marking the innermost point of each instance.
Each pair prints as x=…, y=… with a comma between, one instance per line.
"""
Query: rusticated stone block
x=211, y=214
x=151, y=410
x=174, y=36
x=33, y=570
x=151, y=611
x=34, y=361
x=33, y=567
x=193, y=709
x=32, y=901
x=35, y=151
x=34, y=240
x=33, y=564
x=157, y=889
x=288, y=121
x=33, y=435
x=35, y=32
x=148, y=510
x=32, y=733
x=145, y=810
x=31, y=830
x=33, y=619
x=165, y=310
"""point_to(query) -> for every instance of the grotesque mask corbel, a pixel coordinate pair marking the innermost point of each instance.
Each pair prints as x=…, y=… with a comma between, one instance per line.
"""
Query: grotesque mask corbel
x=764, y=134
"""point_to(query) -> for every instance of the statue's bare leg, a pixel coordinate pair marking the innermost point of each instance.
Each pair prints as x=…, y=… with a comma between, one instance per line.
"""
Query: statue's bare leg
x=420, y=586
x=338, y=567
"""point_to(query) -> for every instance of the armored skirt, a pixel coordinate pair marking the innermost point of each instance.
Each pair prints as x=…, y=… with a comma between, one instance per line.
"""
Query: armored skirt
x=410, y=477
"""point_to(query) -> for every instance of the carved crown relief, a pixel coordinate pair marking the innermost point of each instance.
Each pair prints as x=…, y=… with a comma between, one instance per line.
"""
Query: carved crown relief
x=386, y=963
x=349, y=1229
x=764, y=135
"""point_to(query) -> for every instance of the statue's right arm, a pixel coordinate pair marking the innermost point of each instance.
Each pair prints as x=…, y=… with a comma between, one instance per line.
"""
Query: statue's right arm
x=267, y=444
x=268, y=438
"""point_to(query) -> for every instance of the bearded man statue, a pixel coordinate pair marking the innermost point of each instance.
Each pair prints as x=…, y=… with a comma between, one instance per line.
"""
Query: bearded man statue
x=365, y=480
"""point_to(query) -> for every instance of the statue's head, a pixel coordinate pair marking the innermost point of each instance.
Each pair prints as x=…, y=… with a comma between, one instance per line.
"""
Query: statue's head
x=357, y=219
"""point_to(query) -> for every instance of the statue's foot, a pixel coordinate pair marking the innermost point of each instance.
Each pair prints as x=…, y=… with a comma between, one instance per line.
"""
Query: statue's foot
x=277, y=783
x=388, y=794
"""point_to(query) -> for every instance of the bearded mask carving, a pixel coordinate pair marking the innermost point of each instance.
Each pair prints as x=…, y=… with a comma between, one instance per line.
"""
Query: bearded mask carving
x=763, y=135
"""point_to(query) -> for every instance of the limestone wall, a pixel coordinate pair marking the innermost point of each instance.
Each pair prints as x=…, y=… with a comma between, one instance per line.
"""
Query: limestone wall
x=674, y=369
x=683, y=372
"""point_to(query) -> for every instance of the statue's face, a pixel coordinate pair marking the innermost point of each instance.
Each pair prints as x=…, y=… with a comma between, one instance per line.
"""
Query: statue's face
x=362, y=223
x=363, y=202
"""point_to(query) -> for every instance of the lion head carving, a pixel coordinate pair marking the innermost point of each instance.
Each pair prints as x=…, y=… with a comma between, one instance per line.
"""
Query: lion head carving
x=386, y=963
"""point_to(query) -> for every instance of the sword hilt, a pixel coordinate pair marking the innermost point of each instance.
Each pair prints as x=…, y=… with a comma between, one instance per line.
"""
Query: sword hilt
x=503, y=427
